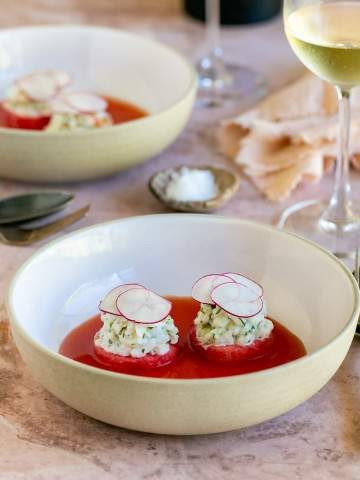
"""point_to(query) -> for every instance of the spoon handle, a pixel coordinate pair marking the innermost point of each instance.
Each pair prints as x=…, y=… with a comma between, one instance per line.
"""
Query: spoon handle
x=55, y=227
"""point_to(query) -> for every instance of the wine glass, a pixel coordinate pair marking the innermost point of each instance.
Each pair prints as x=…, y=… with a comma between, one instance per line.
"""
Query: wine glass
x=219, y=82
x=325, y=36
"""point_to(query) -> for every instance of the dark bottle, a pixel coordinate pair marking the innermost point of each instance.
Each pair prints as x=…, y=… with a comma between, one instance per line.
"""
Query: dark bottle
x=234, y=12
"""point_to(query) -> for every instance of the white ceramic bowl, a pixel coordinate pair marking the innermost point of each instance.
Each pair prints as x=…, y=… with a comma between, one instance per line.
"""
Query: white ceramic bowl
x=105, y=61
x=307, y=289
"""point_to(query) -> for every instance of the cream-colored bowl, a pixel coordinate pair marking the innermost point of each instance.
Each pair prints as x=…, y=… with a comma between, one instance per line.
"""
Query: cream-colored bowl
x=306, y=288
x=105, y=61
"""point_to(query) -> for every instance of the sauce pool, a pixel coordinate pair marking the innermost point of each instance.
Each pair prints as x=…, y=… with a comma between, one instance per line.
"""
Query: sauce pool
x=123, y=111
x=119, y=110
x=79, y=346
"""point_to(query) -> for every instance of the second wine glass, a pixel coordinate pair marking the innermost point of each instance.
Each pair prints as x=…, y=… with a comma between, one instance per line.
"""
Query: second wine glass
x=220, y=82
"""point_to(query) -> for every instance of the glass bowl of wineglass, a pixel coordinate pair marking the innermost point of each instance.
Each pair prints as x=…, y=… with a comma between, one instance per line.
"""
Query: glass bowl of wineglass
x=325, y=36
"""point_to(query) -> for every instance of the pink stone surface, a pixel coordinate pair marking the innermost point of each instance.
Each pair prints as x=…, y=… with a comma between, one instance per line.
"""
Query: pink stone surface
x=43, y=439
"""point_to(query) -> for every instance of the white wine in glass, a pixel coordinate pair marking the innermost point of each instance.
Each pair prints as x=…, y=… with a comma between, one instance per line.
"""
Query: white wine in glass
x=325, y=35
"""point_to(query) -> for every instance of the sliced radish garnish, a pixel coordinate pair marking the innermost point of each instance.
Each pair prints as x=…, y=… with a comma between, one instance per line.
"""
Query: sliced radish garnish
x=203, y=287
x=61, y=78
x=236, y=299
x=141, y=305
x=108, y=304
x=241, y=293
x=39, y=86
x=86, y=102
x=246, y=281
x=60, y=105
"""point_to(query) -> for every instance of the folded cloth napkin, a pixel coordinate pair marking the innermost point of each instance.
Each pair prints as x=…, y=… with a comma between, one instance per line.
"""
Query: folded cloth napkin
x=290, y=137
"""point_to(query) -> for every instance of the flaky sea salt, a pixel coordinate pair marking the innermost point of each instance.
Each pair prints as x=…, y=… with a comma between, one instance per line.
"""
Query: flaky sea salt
x=191, y=185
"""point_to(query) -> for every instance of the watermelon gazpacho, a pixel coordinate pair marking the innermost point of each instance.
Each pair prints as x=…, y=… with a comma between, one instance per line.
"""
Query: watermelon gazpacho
x=45, y=100
x=224, y=329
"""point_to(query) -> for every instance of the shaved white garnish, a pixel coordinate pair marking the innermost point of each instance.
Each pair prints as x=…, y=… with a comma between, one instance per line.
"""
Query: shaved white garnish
x=243, y=280
x=108, y=303
x=86, y=102
x=60, y=105
x=237, y=300
x=39, y=86
x=201, y=291
x=143, y=306
x=61, y=78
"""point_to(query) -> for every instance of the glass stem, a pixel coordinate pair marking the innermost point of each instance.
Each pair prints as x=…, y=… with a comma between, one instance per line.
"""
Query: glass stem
x=338, y=215
x=212, y=71
x=212, y=19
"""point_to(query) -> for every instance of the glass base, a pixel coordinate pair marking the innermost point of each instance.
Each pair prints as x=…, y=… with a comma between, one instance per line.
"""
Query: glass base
x=309, y=219
x=220, y=84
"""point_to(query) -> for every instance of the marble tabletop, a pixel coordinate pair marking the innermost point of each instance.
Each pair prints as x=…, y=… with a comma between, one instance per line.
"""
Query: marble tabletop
x=43, y=439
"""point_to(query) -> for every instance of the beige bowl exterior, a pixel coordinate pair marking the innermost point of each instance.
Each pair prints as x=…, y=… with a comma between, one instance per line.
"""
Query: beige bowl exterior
x=89, y=155
x=86, y=155
x=183, y=407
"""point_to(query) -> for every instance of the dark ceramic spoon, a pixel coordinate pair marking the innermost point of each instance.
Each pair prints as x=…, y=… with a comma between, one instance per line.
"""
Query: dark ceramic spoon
x=19, y=208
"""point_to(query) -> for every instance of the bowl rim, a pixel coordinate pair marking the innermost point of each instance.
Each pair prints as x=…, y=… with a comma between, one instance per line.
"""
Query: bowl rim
x=191, y=89
x=117, y=376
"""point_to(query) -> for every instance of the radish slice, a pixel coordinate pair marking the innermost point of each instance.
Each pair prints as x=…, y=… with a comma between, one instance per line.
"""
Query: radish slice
x=241, y=293
x=143, y=306
x=39, y=86
x=86, y=102
x=108, y=304
x=202, y=289
x=237, y=300
x=62, y=79
x=60, y=105
x=246, y=281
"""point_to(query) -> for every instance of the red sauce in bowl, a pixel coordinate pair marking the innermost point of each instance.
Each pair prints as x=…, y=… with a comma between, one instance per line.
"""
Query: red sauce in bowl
x=123, y=111
x=119, y=110
x=286, y=346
